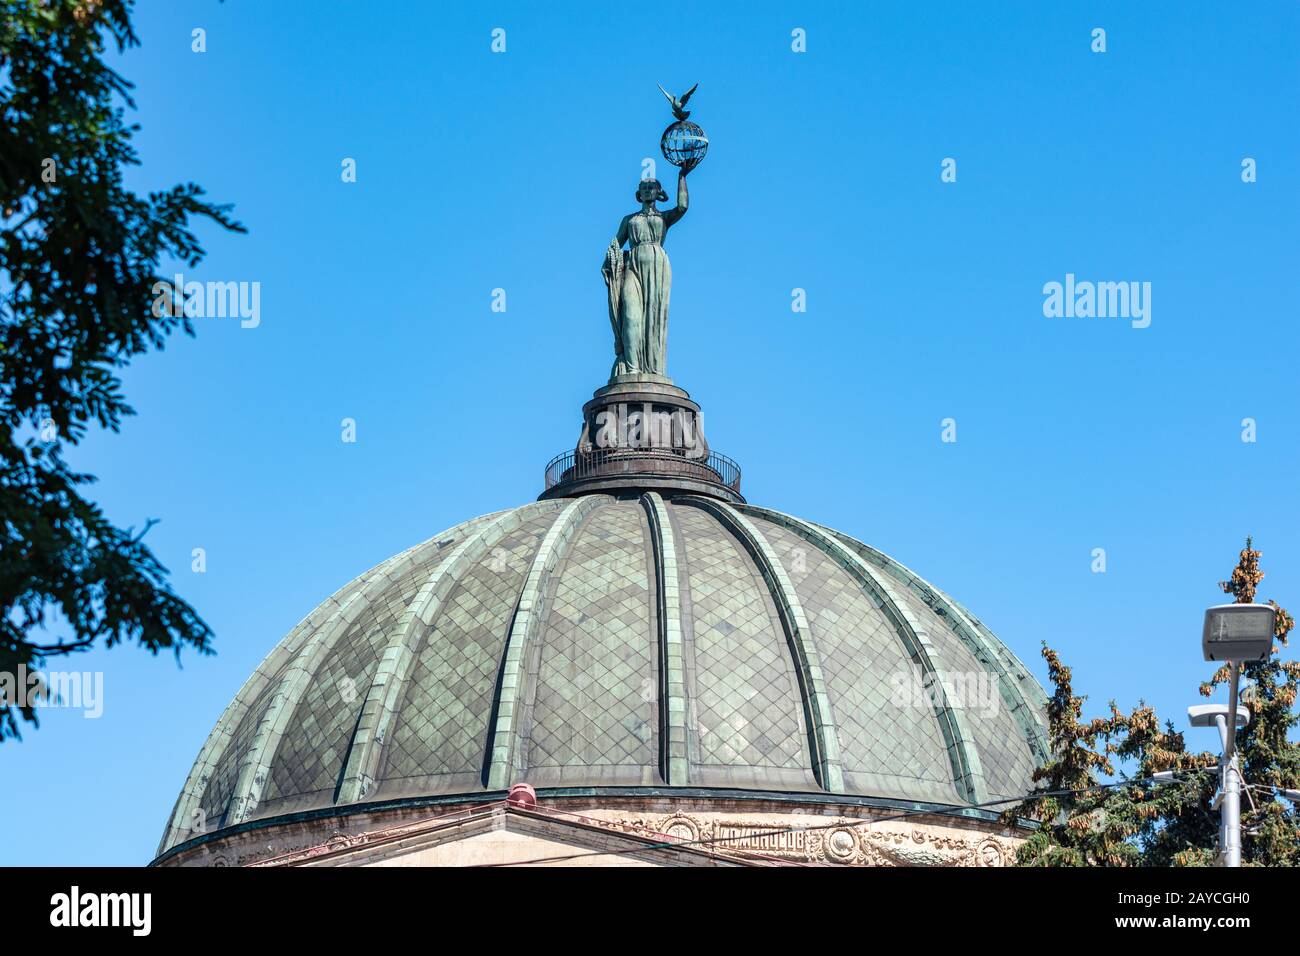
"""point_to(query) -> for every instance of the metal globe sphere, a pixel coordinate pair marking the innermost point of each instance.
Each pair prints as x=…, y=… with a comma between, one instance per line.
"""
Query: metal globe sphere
x=684, y=144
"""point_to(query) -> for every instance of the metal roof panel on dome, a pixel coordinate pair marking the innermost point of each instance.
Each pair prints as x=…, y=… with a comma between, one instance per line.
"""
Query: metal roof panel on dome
x=865, y=661
x=593, y=697
x=689, y=604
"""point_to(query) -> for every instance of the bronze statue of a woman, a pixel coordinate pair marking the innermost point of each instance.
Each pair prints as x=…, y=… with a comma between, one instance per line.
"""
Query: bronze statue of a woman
x=640, y=280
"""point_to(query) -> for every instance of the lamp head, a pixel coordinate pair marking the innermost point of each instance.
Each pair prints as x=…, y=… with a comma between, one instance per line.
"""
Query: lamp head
x=1238, y=632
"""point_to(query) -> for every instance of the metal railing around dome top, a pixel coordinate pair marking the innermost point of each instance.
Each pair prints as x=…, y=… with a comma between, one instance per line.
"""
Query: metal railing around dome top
x=660, y=462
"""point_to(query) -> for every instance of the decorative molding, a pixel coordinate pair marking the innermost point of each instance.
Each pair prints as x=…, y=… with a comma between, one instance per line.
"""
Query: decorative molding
x=841, y=841
x=738, y=837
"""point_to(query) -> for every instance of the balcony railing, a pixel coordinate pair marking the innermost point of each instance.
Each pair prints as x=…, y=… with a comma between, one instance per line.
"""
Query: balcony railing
x=630, y=462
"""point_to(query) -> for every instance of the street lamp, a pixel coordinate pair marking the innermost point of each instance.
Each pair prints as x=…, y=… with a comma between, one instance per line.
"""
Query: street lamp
x=1235, y=633
x=1238, y=632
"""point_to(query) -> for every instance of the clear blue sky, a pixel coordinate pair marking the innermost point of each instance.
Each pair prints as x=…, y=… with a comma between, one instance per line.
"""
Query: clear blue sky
x=478, y=171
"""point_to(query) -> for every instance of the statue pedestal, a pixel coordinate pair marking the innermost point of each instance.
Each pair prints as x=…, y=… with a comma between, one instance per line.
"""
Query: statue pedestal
x=642, y=433
x=643, y=414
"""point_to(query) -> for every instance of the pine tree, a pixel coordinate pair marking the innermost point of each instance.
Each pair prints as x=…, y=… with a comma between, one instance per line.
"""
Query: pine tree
x=1079, y=822
x=1137, y=823
x=1270, y=828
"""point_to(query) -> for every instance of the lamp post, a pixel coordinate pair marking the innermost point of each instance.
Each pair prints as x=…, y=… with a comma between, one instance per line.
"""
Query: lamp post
x=1228, y=799
x=1235, y=633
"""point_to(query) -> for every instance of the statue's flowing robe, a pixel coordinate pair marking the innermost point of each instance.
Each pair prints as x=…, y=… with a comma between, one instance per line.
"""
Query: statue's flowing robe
x=613, y=270
x=643, y=300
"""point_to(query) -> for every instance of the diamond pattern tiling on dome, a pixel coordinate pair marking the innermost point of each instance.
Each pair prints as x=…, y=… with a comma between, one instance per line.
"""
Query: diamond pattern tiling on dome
x=311, y=756
x=221, y=786
x=887, y=747
x=748, y=713
x=215, y=802
x=442, y=726
x=596, y=697
x=591, y=712
x=1000, y=741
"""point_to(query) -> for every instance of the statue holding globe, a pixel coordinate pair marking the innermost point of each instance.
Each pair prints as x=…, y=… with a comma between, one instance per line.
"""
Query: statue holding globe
x=639, y=279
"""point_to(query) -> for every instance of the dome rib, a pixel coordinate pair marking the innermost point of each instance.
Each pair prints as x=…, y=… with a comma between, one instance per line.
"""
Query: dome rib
x=962, y=750
x=505, y=757
x=1021, y=681
x=674, y=762
x=823, y=738
x=970, y=634
x=398, y=656
x=255, y=771
x=218, y=742
x=1012, y=662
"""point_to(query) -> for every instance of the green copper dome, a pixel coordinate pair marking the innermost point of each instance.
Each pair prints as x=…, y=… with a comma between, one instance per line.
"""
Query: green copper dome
x=629, y=641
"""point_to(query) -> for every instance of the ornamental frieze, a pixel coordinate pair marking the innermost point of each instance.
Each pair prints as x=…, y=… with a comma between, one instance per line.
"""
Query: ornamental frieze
x=847, y=842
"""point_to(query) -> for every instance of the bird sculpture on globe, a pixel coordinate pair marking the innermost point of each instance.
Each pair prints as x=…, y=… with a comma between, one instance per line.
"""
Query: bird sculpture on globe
x=639, y=280
x=683, y=143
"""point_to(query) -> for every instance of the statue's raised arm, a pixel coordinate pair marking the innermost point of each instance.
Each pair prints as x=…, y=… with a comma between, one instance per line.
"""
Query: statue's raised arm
x=683, y=200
